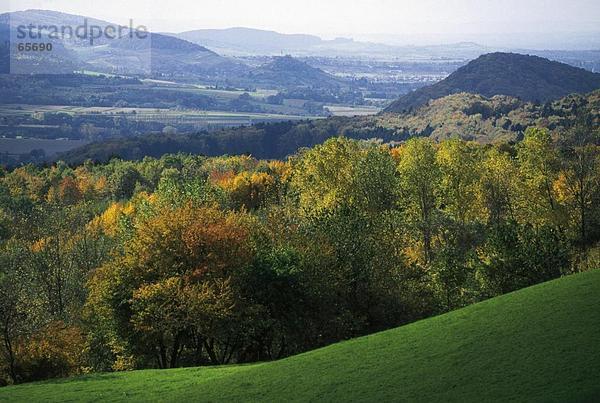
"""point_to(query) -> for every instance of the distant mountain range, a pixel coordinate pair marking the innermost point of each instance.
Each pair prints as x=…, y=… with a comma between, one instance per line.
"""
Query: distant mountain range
x=213, y=57
x=247, y=40
x=164, y=55
x=241, y=41
x=158, y=54
x=529, y=78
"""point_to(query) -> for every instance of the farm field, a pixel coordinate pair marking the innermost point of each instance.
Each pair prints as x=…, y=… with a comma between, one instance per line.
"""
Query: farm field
x=31, y=132
x=341, y=110
x=537, y=344
x=222, y=94
x=152, y=114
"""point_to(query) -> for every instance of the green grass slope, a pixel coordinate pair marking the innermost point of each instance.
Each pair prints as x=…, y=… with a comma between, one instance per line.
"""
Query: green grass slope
x=538, y=344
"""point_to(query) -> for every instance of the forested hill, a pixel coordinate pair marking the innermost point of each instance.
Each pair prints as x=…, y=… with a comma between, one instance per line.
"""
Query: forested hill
x=529, y=78
x=288, y=70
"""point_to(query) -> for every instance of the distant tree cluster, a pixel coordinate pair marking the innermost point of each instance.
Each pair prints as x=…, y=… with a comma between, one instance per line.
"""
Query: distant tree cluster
x=95, y=91
x=189, y=260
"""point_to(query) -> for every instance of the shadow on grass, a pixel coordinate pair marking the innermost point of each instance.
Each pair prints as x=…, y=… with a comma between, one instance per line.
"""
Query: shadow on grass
x=111, y=376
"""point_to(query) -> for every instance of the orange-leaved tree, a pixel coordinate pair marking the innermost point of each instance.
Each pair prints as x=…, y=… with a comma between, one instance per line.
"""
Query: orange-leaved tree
x=172, y=289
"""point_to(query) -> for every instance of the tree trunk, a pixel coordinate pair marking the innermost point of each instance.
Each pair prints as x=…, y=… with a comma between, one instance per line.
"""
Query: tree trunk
x=162, y=362
x=9, y=351
x=209, y=346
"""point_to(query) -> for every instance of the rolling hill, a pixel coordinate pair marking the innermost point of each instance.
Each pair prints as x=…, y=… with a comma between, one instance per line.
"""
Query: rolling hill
x=537, y=344
x=529, y=78
x=287, y=70
x=499, y=118
x=62, y=59
x=167, y=56
x=155, y=54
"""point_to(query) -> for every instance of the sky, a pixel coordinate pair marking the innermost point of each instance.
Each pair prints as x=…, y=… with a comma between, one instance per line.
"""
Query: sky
x=457, y=19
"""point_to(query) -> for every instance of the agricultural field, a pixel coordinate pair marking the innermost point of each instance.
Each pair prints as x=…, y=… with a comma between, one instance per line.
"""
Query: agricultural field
x=91, y=90
x=58, y=128
x=200, y=117
x=342, y=110
x=225, y=94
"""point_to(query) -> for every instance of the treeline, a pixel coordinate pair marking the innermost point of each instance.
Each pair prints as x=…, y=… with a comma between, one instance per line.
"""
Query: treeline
x=92, y=126
x=262, y=140
x=471, y=117
x=188, y=260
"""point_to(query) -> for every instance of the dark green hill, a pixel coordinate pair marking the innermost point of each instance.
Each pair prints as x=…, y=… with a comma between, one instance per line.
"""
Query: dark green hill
x=529, y=78
x=290, y=71
x=535, y=345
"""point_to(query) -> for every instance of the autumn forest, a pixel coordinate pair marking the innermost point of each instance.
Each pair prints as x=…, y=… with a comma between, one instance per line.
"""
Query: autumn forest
x=188, y=260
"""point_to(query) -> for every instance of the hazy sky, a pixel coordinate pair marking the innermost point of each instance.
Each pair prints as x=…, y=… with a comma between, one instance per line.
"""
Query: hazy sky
x=340, y=17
